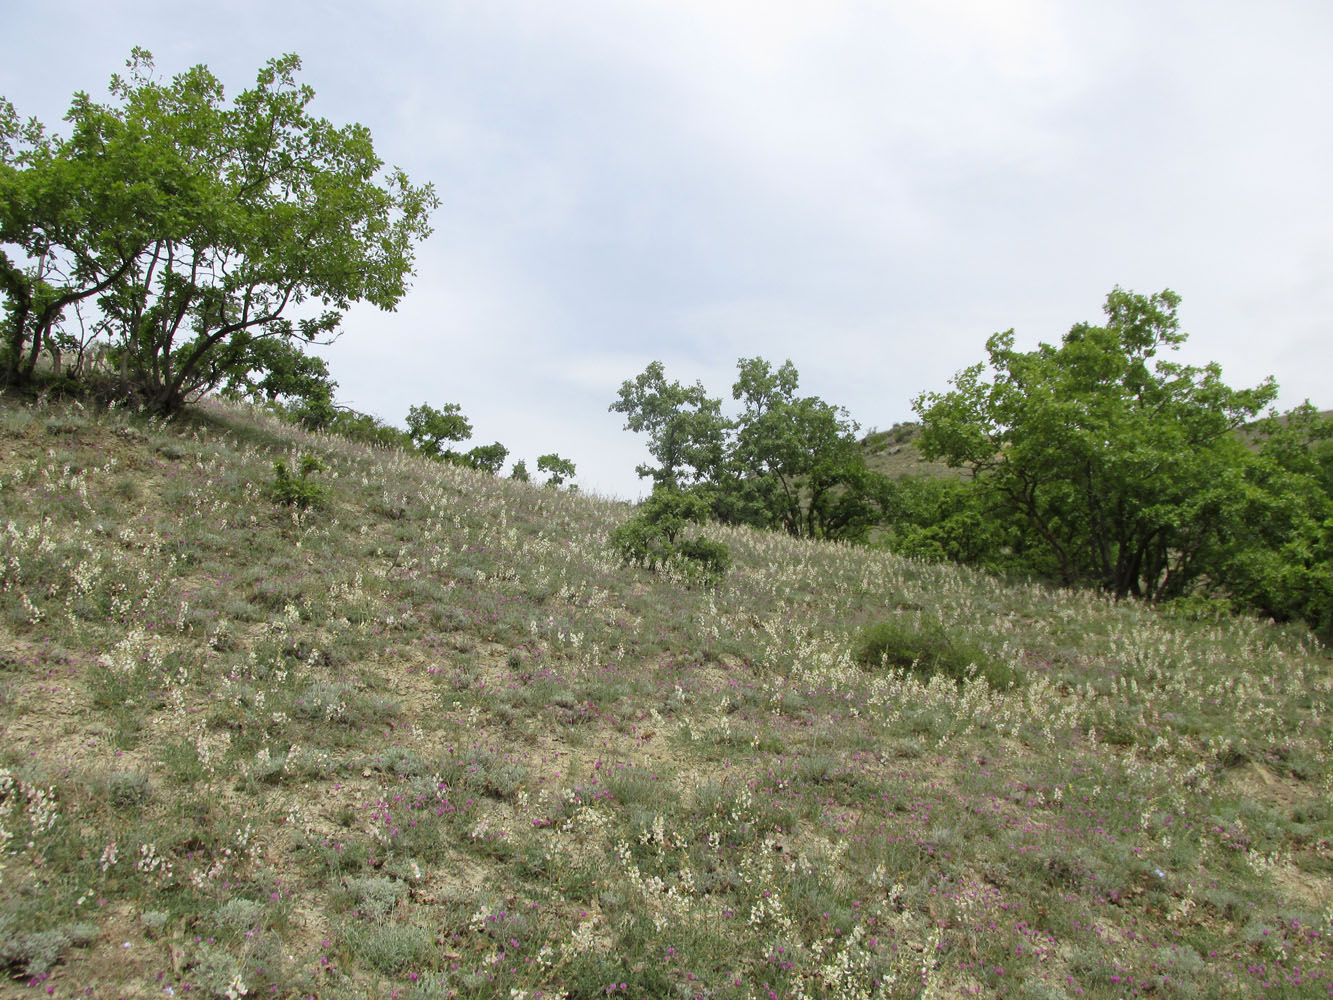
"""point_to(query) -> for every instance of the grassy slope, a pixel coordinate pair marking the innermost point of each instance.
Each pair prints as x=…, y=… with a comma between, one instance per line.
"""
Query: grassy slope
x=894, y=453
x=431, y=742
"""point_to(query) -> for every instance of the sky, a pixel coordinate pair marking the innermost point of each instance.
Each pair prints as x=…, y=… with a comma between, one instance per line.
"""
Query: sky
x=869, y=189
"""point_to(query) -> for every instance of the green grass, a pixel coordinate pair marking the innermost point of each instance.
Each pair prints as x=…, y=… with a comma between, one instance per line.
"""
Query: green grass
x=432, y=739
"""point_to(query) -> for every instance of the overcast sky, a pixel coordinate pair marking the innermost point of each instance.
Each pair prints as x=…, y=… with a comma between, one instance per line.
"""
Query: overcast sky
x=868, y=189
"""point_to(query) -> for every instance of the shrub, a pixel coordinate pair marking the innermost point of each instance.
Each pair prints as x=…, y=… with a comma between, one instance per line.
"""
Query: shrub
x=33, y=953
x=298, y=491
x=128, y=789
x=925, y=648
x=653, y=536
x=713, y=558
x=374, y=896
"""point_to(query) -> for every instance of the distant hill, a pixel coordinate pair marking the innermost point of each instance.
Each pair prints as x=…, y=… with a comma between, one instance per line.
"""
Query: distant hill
x=895, y=453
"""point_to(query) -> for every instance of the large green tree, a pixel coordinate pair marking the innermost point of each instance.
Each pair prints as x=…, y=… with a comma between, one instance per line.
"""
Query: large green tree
x=796, y=461
x=787, y=462
x=687, y=433
x=1125, y=466
x=197, y=226
x=1277, y=555
x=76, y=214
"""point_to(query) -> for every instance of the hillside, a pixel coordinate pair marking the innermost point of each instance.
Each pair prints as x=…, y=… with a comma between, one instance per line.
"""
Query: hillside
x=431, y=741
x=894, y=453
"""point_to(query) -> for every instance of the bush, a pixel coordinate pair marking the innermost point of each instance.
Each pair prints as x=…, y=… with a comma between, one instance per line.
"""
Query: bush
x=298, y=491
x=33, y=953
x=925, y=648
x=128, y=789
x=712, y=558
x=653, y=537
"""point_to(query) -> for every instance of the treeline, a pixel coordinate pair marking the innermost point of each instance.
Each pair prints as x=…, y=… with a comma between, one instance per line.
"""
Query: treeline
x=430, y=432
x=1093, y=462
x=174, y=244
x=786, y=462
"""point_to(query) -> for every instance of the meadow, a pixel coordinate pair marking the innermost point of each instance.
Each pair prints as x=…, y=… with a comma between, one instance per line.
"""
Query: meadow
x=431, y=739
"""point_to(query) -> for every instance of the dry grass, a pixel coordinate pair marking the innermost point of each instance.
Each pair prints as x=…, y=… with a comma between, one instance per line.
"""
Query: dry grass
x=432, y=740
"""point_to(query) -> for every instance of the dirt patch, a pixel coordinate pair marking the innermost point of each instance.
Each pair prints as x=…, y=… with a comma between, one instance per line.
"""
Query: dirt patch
x=1305, y=887
x=1258, y=782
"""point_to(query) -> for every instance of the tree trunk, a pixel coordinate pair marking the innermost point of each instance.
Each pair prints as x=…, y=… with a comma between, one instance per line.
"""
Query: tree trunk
x=35, y=349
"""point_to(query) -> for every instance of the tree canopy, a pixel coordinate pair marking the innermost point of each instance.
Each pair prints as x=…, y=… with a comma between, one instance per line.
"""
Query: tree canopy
x=557, y=469
x=1124, y=465
x=182, y=229
x=687, y=432
x=785, y=462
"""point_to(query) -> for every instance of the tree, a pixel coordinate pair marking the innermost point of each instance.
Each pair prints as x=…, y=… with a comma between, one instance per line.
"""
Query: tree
x=557, y=469
x=798, y=464
x=1124, y=467
x=486, y=458
x=786, y=462
x=198, y=226
x=519, y=472
x=1276, y=554
x=430, y=428
x=687, y=433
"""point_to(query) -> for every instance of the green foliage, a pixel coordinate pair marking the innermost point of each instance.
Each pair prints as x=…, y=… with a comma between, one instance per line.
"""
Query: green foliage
x=788, y=463
x=708, y=557
x=191, y=226
x=654, y=536
x=1278, y=552
x=1126, y=470
x=430, y=428
x=557, y=469
x=362, y=427
x=1093, y=463
x=298, y=490
x=796, y=462
x=687, y=432
x=276, y=370
x=520, y=472
x=486, y=458
x=925, y=647
x=951, y=520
